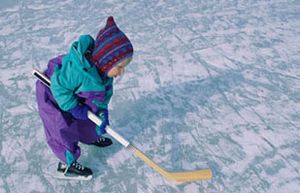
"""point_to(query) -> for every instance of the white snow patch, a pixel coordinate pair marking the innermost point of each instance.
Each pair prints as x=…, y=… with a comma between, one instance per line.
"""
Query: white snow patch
x=25, y=183
x=119, y=158
x=19, y=110
x=191, y=188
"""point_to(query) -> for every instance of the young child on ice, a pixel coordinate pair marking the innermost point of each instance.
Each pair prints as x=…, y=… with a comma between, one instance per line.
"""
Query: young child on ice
x=81, y=80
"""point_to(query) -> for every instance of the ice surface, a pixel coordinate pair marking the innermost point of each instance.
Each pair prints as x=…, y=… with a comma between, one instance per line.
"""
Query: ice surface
x=213, y=84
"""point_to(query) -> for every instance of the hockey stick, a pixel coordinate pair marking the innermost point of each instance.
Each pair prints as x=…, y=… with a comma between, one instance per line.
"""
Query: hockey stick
x=189, y=176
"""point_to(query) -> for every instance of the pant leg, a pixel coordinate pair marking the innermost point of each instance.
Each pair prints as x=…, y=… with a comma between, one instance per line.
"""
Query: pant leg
x=87, y=131
x=61, y=130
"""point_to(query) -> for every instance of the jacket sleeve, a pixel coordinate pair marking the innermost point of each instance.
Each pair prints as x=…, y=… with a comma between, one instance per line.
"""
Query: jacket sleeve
x=67, y=80
x=63, y=90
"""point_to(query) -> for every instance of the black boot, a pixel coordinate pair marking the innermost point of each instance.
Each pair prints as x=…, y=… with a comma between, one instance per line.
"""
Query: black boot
x=102, y=142
x=75, y=170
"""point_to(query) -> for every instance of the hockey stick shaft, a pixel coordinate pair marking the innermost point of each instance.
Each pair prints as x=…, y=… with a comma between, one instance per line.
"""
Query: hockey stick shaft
x=204, y=174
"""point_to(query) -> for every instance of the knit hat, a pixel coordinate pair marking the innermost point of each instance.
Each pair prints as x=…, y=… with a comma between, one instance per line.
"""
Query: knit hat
x=111, y=47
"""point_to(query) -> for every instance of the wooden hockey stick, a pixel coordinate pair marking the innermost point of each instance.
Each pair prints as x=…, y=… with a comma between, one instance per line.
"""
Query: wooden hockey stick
x=188, y=176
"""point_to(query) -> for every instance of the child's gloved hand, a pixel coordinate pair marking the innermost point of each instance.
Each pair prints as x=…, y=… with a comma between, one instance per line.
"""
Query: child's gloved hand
x=80, y=112
x=103, y=115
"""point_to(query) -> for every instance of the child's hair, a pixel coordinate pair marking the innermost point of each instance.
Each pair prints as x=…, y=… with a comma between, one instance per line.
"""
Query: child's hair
x=111, y=47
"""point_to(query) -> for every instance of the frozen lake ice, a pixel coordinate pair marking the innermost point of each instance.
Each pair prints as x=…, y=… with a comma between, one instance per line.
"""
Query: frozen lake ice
x=213, y=84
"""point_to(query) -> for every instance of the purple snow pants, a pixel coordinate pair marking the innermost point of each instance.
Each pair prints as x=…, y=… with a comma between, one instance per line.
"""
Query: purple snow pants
x=62, y=131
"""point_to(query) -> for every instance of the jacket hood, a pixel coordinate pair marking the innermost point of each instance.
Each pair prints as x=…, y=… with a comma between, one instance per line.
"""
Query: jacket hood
x=79, y=49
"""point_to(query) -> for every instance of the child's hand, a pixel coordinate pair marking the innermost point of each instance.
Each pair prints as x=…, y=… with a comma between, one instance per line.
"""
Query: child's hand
x=80, y=112
x=103, y=114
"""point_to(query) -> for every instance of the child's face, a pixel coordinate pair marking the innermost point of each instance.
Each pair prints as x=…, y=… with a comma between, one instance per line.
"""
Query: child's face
x=119, y=69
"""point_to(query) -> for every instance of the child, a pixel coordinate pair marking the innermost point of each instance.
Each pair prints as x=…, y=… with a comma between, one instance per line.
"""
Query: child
x=81, y=81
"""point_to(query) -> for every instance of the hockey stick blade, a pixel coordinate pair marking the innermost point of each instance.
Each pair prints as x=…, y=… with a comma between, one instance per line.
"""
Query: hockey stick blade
x=195, y=175
x=189, y=176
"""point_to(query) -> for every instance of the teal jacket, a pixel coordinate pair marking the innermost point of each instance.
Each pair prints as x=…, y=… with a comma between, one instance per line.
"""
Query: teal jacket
x=78, y=80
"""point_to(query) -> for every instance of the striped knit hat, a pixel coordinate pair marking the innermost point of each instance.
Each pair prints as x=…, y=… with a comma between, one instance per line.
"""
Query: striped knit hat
x=111, y=47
